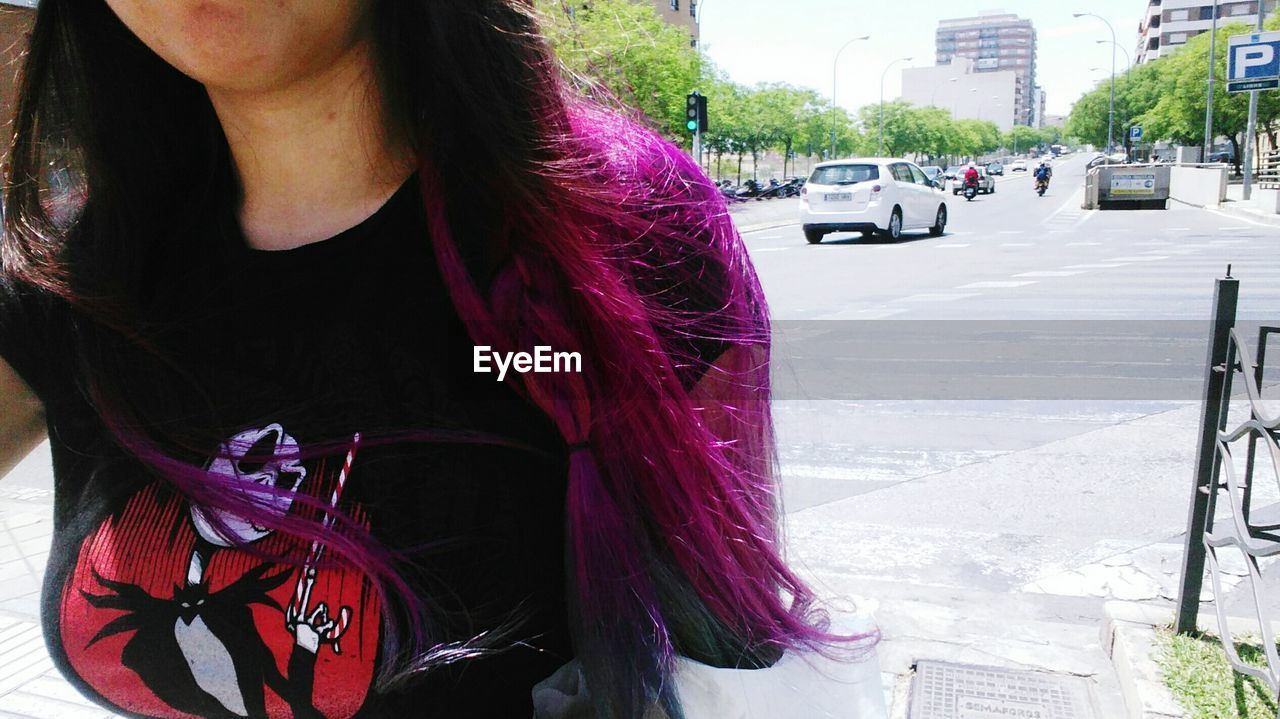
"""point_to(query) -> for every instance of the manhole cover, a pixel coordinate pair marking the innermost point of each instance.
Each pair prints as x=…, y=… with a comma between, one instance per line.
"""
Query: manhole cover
x=964, y=691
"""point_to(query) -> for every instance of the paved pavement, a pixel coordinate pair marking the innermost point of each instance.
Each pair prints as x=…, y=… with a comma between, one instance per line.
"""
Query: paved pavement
x=978, y=525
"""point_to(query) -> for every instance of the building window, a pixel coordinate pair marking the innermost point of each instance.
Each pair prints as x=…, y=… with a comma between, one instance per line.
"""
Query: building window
x=1177, y=38
x=675, y=4
x=693, y=8
x=1179, y=15
x=1206, y=12
x=1241, y=9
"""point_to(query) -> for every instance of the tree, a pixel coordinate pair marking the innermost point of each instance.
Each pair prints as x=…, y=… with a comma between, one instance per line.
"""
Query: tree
x=626, y=51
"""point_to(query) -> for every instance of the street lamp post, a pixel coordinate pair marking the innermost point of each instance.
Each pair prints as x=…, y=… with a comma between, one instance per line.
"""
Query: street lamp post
x=1128, y=59
x=1111, y=107
x=880, y=151
x=1208, y=104
x=835, y=65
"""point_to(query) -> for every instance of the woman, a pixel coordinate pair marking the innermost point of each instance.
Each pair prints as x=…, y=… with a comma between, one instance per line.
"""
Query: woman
x=257, y=327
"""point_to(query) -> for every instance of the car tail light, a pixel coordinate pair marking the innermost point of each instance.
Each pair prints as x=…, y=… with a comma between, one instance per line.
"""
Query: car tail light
x=875, y=190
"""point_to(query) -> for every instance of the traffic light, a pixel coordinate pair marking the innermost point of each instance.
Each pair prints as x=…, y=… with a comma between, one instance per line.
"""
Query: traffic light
x=695, y=112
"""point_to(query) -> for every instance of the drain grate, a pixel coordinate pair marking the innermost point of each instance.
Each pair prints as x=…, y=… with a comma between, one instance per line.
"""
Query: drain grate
x=964, y=691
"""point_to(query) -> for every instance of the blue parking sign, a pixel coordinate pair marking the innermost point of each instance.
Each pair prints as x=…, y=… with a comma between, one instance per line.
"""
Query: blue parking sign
x=1253, y=62
x=1135, y=132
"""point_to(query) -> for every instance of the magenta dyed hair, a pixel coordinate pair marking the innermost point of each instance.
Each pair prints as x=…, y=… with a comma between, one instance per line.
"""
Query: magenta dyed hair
x=600, y=236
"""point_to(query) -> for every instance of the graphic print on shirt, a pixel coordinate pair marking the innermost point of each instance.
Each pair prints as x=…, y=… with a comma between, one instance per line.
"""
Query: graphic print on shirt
x=163, y=615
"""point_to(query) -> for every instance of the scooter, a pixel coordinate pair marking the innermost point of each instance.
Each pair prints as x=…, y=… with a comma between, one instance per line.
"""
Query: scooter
x=970, y=190
x=1041, y=186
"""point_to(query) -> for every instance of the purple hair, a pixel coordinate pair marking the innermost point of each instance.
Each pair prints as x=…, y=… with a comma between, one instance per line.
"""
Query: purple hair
x=606, y=234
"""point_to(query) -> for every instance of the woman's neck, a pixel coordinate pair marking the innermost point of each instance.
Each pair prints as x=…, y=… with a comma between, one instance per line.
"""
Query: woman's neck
x=313, y=157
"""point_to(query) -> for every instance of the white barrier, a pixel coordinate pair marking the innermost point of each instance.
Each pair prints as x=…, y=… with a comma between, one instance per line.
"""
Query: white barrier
x=1199, y=186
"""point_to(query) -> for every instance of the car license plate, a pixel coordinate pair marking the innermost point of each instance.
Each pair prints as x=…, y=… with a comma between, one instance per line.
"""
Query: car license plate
x=838, y=197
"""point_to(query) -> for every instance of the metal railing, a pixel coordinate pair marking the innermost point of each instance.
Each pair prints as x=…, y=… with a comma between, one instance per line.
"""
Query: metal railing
x=1269, y=171
x=1217, y=477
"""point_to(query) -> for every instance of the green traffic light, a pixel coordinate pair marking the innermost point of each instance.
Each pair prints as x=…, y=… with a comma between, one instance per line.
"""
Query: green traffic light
x=692, y=125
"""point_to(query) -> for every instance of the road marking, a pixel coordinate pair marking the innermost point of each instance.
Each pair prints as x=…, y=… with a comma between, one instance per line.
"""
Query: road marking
x=1083, y=244
x=1097, y=266
x=877, y=313
x=1017, y=244
x=1136, y=258
x=939, y=297
x=1179, y=229
x=953, y=244
x=1050, y=273
x=996, y=285
x=1010, y=232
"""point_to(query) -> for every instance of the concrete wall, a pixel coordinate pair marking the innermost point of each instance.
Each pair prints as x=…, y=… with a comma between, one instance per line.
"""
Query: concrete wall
x=1199, y=186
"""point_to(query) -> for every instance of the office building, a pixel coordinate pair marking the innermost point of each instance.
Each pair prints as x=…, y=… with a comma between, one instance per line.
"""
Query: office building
x=1169, y=24
x=958, y=88
x=996, y=42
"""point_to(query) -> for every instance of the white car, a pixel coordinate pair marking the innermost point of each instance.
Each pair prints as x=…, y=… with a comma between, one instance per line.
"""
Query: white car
x=1018, y=166
x=871, y=195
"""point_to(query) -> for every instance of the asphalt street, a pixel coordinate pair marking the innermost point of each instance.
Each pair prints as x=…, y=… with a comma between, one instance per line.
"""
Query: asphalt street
x=1014, y=402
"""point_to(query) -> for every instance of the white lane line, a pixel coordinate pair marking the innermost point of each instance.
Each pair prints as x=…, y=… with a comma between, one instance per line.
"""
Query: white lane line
x=1179, y=229
x=1017, y=244
x=996, y=285
x=1010, y=232
x=939, y=297
x=1098, y=266
x=878, y=313
x=1050, y=273
x=1084, y=244
x=953, y=244
x=1137, y=258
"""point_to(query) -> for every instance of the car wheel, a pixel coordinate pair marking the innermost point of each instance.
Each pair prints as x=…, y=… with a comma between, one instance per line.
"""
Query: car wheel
x=814, y=236
x=992, y=191
x=894, y=231
x=939, y=222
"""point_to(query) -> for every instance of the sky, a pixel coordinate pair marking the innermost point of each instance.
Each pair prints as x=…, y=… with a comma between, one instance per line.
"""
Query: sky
x=795, y=41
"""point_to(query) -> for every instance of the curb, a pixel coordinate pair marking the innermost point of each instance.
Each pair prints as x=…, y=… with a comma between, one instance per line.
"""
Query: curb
x=1129, y=637
x=1231, y=209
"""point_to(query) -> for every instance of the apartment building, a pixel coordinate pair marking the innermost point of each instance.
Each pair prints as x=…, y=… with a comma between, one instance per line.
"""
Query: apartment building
x=1168, y=24
x=680, y=12
x=962, y=91
x=996, y=42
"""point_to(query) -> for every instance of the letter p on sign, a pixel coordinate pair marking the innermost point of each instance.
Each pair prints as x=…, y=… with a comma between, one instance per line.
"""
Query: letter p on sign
x=1252, y=56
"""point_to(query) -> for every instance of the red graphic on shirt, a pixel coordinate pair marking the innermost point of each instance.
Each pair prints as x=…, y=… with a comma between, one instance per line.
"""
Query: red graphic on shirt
x=164, y=617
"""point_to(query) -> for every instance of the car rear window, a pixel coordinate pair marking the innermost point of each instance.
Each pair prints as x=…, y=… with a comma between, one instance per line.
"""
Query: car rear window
x=844, y=174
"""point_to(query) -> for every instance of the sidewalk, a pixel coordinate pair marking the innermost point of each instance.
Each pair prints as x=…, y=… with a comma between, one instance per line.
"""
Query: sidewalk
x=1236, y=205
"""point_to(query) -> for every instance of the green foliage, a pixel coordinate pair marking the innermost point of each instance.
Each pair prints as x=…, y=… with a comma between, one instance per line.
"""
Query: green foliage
x=1167, y=97
x=628, y=50
x=624, y=50
x=1195, y=669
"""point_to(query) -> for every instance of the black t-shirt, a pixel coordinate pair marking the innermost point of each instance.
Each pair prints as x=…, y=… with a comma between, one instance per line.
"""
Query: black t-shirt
x=340, y=344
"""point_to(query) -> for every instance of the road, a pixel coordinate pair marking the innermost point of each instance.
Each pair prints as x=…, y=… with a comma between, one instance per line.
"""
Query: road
x=1005, y=411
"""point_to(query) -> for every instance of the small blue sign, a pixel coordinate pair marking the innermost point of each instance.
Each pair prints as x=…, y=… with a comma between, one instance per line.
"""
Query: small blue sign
x=1253, y=61
x=1135, y=132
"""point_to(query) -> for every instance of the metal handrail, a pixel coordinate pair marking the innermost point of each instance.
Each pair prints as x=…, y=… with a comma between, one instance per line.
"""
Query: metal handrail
x=1217, y=476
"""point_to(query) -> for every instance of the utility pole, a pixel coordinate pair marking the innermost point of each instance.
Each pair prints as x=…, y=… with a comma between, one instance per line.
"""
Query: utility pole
x=1208, y=106
x=1251, y=131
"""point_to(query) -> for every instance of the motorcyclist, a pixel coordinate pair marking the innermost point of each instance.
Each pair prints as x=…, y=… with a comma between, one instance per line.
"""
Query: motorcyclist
x=1043, y=173
x=971, y=176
